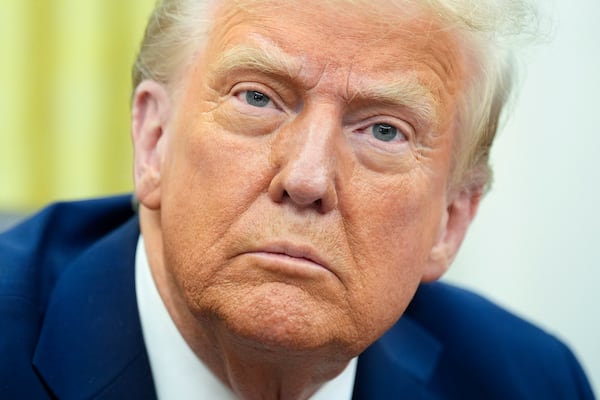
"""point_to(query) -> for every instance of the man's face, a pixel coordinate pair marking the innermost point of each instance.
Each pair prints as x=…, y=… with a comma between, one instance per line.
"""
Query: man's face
x=303, y=171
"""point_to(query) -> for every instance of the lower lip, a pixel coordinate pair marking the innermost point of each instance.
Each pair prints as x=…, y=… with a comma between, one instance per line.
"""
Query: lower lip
x=282, y=263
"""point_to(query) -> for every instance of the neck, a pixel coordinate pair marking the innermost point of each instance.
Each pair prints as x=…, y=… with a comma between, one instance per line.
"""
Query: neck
x=251, y=370
x=254, y=372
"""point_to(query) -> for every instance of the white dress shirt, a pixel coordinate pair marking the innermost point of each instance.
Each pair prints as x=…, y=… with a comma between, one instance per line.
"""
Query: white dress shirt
x=178, y=373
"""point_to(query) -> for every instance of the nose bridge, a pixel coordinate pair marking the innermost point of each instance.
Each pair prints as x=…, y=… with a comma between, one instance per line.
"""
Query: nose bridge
x=305, y=156
x=313, y=142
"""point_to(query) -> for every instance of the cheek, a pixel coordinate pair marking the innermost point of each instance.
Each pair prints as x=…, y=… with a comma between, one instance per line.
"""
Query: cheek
x=212, y=168
x=209, y=181
x=397, y=216
x=391, y=229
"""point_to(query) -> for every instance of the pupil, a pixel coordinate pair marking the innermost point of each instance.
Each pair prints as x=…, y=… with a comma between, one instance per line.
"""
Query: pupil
x=384, y=132
x=257, y=99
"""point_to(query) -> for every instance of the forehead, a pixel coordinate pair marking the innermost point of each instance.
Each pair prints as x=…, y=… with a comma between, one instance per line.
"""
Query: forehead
x=355, y=40
x=347, y=23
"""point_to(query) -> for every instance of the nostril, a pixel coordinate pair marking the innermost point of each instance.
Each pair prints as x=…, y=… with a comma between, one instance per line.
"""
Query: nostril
x=300, y=200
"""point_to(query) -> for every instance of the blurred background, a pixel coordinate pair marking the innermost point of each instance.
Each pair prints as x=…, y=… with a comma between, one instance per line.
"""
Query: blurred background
x=64, y=98
x=535, y=245
x=534, y=248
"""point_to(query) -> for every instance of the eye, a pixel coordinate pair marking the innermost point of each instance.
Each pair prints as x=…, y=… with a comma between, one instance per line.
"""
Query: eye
x=386, y=133
x=257, y=99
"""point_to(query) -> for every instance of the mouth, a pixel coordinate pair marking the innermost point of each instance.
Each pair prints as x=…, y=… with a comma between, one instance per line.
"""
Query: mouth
x=294, y=259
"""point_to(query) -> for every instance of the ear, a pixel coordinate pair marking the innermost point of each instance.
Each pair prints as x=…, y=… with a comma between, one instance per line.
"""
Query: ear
x=150, y=112
x=460, y=211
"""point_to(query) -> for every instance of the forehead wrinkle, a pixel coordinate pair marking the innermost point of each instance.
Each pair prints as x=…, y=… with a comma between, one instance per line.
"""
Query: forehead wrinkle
x=263, y=55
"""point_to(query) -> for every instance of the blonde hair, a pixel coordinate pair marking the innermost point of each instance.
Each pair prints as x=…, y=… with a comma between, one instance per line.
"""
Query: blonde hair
x=174, y=32
x=490, y=31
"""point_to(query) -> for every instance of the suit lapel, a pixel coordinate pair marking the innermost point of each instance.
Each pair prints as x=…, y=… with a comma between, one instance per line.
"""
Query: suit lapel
x=91, y=343
x=399, y=365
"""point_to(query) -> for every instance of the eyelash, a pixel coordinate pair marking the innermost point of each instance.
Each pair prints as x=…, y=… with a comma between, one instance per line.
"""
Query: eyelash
x=240, y=92
x=405, y=131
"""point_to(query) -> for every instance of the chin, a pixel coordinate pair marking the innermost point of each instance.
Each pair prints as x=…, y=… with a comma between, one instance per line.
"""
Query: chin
x=279, y=317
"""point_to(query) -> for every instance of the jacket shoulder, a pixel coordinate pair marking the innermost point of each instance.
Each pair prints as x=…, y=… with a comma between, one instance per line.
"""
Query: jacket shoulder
x=486, y=347
x=36, y=250
x=33, y=257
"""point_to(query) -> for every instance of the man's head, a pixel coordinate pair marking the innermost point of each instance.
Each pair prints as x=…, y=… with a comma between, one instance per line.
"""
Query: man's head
x=303, y=166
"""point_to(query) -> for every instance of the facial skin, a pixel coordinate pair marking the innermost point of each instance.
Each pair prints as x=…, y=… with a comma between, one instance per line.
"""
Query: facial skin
x=294, y=185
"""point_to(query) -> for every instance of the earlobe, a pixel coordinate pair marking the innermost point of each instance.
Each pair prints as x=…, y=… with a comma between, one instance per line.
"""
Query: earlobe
x=150, y=111
x=453, y=227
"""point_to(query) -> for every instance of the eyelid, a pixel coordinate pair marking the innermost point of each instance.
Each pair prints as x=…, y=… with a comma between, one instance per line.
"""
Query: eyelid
x=404, y=127
x=243, y=87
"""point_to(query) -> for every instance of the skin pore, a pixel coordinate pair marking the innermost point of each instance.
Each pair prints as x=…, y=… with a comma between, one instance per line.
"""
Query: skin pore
x=294, y=187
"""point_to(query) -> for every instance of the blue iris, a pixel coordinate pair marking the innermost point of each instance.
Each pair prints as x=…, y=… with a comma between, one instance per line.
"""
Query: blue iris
x=257, y=99
x=384, y=132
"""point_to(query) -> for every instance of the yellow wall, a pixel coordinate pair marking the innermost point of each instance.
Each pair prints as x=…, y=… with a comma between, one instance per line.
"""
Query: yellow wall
x=64, y=98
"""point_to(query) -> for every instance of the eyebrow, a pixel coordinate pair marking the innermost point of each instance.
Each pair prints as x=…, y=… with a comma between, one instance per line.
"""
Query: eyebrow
x=404, y=91
x=267, y=59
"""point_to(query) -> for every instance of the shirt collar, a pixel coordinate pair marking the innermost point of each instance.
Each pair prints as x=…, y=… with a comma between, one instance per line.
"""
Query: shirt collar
x=178, y=373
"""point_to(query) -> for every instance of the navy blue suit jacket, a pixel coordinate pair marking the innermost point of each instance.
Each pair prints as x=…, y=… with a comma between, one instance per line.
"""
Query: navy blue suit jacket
x=69, y=325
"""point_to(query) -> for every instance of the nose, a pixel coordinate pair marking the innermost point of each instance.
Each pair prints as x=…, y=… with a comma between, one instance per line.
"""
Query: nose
x=304, y=154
